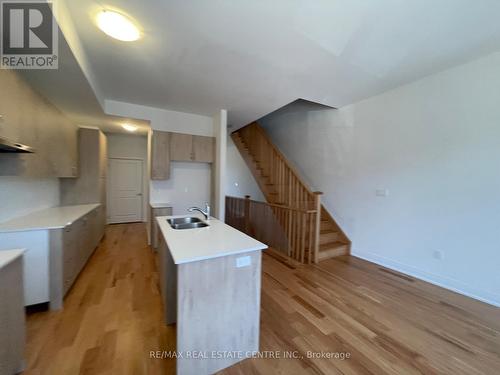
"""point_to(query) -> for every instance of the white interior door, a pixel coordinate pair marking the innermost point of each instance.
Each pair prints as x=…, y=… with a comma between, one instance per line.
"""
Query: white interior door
x=125, y=190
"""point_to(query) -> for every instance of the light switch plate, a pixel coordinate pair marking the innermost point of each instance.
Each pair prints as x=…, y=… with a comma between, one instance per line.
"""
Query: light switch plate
x=243, y=261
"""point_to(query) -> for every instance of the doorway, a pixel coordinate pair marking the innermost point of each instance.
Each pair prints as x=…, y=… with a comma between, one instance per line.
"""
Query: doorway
x=125, y=195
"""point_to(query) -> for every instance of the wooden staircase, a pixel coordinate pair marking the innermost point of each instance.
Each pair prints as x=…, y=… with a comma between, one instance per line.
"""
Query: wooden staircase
x=281, y=185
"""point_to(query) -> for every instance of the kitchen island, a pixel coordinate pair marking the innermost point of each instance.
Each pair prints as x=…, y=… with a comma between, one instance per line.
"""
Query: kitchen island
x=210, y=280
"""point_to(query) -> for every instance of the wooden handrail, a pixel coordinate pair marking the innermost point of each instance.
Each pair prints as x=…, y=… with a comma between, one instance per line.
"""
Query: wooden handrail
x=290, y=230
x=269, y=162
x=289, y=199
x=280, y=154
x=275, y=205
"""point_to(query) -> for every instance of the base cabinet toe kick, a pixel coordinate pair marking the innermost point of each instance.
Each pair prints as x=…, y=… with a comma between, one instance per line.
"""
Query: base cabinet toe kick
x=215, y=304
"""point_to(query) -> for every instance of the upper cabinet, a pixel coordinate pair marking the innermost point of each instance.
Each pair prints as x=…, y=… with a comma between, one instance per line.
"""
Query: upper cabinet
x=167, y=146
x=28, y=118
x=160, y=156
x=203, y=149
x=90, y=186
x=181, y=147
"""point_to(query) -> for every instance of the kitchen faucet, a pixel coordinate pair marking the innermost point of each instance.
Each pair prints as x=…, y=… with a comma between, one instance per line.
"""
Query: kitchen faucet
x=205, y=213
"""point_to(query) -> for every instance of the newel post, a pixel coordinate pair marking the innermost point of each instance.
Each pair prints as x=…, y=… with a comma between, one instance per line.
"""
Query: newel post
x=247, y=214
x=317, y=226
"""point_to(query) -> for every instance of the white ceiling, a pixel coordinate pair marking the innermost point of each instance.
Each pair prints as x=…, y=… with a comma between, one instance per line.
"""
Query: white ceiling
x=68, y=88
x=253, y=56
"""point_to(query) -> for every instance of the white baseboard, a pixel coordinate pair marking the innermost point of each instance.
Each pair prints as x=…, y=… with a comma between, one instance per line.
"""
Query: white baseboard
x=444, y=282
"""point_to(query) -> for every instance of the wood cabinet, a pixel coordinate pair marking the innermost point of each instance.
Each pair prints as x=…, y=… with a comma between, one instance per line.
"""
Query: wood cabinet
x=186, y=147
x=181, y=147
x=27, y=117
x=12, y=317
x=90, y=186
x=78, y=242
x=167, y=146
x=155, y=229
x=160, y=155
x=203, y=149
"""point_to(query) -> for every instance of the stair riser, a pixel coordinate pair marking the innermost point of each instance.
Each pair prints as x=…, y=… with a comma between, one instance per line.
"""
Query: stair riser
x=332, y=253
x=329, y=237
x=326, y=225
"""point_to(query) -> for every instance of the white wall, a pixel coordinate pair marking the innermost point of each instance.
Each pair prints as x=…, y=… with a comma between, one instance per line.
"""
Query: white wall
x=189, y=185
x=22, y=195
x=435, y=146
x=162, y=119
x=239, y=179
x=131, y=147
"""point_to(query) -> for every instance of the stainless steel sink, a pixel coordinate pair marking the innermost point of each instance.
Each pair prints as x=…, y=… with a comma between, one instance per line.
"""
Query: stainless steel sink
x=183, y=220
x=186, y=223
x=189, y=225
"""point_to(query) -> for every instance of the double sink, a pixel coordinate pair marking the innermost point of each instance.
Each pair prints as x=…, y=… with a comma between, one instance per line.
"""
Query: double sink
x=186, y=223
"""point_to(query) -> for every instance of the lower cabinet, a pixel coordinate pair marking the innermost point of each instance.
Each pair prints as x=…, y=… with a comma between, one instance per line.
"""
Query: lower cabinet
x=77, y=243
x=12, y=323
x=155, y=229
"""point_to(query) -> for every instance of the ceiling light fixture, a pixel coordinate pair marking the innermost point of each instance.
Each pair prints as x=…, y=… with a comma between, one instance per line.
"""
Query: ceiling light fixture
x=118, y=26
x=130, y=128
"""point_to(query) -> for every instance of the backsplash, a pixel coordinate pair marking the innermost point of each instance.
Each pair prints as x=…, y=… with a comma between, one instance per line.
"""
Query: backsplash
x=21, y=195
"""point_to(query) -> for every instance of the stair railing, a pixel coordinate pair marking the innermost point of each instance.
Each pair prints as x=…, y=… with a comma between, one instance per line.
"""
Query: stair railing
x=288, y=188
x=293, y=231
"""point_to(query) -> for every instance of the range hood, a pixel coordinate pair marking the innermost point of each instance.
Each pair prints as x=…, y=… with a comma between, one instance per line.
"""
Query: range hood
x=13, y=147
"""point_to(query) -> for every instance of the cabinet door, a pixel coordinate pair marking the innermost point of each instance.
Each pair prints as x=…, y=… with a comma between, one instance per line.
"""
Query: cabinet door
x=70, y=253
x=159, y=211
x=181, y=147
x=203, y=149
x=11, y=100
x=160, y=156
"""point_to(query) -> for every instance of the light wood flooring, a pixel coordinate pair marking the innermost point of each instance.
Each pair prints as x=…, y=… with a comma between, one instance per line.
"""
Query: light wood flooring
x=389, y=323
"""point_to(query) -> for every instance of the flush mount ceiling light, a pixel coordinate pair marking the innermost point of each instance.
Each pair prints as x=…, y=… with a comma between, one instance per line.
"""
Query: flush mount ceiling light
x=118, y=26
x=129, y=128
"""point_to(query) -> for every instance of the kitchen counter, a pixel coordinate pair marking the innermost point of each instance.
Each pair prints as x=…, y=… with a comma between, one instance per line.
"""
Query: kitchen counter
x=216, y=240
x=8, y=256
x=160, y=205
x=49, y=218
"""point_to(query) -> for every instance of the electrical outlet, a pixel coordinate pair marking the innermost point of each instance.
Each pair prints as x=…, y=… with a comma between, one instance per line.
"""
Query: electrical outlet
x=243, y=261
x=437, y=254
x=381, y=192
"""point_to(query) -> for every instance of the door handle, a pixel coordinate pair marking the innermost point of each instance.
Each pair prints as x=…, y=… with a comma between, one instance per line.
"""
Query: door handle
x=139, y=194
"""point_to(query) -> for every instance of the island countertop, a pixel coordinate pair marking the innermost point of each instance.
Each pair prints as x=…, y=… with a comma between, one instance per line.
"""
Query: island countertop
x=48, y=218
x=216, y=240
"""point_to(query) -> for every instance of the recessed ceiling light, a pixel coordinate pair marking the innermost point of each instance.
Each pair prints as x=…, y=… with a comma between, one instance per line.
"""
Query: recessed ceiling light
x=130, y=128
x=118, y=26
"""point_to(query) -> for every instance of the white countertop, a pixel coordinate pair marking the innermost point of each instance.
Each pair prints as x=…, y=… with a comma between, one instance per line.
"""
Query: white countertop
x=216, y=240
x=160, y=205
x=7, y=256
x=49, y=218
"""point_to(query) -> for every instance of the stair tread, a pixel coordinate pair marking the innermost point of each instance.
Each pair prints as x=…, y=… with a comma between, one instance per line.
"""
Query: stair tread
x=328, y=231
x=331, y=245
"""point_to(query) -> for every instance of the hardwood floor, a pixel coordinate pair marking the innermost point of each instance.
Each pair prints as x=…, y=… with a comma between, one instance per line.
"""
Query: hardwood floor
x=389, y=323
